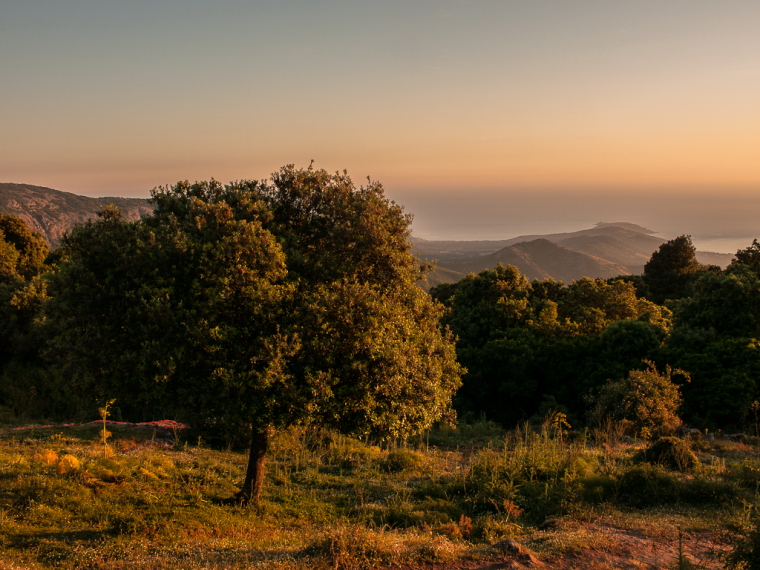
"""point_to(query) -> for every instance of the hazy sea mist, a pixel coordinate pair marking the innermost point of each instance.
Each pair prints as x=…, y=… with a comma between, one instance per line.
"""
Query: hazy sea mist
x=720, y=221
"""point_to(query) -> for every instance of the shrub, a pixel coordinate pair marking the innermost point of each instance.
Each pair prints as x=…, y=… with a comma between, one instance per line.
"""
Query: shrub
x=354, y=547
x=647, y=487
x=402, y=459
x=745, y=554
x=746, y=473
x=671, y=452
x=646, y=398
x=351, y=454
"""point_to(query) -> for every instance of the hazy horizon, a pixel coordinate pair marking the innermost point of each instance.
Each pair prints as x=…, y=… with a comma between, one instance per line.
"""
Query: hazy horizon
x=581, y=111
x=719, y=221
x=112, y=96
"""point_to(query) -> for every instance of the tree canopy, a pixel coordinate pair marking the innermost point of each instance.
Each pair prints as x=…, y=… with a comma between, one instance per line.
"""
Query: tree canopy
x=671, y=269
x=255, y=306
x=526, y=341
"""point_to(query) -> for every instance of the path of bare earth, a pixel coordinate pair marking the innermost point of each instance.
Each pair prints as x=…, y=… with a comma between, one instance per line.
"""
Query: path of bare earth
x=159, y=424
x=610, y=548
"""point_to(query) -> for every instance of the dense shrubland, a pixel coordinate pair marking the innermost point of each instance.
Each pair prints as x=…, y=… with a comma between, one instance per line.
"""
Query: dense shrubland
x=534, y=346
x=123, y=307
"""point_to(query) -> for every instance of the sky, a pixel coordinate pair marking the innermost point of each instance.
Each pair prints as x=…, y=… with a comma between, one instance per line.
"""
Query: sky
x=445, y=102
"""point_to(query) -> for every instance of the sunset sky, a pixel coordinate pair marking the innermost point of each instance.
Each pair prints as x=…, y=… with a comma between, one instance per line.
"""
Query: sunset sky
x=113, y=98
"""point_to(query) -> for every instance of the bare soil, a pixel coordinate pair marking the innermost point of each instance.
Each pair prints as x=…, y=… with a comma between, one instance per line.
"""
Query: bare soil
x=610, y=548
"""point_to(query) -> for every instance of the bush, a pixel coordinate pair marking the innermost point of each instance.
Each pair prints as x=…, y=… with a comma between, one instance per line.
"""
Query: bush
x=646, y=398
x=671, y=452
x=745, y=554
x=402, y=459
x=651, y=486
x=351, y=454
x=648, y=487
x=746, y=473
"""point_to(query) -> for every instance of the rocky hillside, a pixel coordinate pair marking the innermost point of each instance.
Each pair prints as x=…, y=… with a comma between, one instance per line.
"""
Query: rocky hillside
x=52, y=212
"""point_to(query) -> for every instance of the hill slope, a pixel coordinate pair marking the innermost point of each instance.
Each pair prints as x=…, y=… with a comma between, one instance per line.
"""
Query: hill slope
x=52, y=212
x=541, y=259
x=636, y=237
x=606, y=250
x=609, y=248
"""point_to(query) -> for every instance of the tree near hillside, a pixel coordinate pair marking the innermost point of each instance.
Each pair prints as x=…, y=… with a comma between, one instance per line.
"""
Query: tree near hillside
x=256, y=307
x=523, y=341
x=749, y=256
x=22, y=251
x=727, y=304
x=671, y=269
x=592, y=304
x=22, y=294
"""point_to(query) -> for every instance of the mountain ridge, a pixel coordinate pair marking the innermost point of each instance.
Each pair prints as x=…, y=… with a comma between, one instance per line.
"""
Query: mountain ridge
x=53, y=212
x=606, y=250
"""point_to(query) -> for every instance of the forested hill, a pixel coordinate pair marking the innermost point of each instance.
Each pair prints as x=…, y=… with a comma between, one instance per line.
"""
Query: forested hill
x=52, y=212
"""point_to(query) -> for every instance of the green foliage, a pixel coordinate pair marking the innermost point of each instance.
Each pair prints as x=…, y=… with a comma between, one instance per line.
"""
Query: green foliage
x=727, y=304
x=673, y=452
x=522, y=342
x=646, y=398
x=592, y=304
x=749, y=257
x=401, y=459
x=22, y=251
x=671, y=269
x=723, y=376
x=256, y=305
x=745, y=554
x=138, y=304
x=534, y=474
x=25, y=388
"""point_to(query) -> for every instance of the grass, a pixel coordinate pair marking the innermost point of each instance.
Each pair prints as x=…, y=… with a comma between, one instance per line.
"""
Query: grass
x=336, y=502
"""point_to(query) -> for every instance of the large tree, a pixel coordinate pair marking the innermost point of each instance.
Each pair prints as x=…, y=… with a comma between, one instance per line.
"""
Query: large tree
x=22, y=295
x=671, y=269
x=258, y=306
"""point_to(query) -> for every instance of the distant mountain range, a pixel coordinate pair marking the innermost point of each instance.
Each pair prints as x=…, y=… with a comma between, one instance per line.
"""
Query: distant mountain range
x=606, y=250
x=52, y=212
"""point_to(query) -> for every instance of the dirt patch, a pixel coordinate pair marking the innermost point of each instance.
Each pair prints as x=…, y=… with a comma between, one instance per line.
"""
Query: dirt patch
x=605, y=547
x=166, y=425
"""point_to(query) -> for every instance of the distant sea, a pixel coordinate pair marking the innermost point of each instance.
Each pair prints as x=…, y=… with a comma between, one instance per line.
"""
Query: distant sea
x=720, y=221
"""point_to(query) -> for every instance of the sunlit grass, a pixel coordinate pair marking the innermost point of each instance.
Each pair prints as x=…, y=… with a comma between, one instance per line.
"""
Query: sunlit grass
x=336, y=502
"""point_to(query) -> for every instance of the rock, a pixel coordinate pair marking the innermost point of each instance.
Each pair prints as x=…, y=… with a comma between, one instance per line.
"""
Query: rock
x=548, y=523
x=527, y=559
x=689, y=433
x=509, y=546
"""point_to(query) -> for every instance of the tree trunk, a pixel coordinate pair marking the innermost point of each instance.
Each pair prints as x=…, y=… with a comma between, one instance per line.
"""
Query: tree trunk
x=254, y=475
